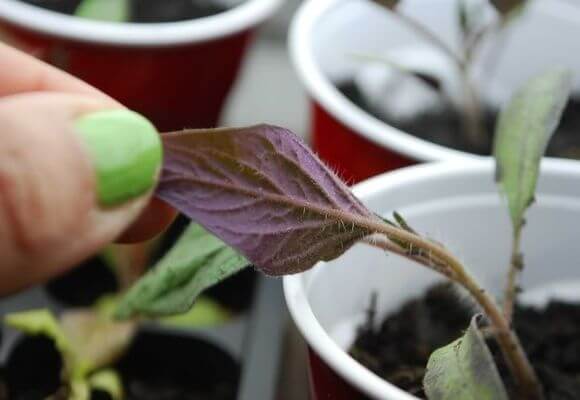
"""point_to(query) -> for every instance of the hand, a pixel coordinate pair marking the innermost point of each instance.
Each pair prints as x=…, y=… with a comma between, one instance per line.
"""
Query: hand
x=77, y=171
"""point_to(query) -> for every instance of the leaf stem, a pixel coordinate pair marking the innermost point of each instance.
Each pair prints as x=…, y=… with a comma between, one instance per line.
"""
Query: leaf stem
x=516, y=265
x=524, y=375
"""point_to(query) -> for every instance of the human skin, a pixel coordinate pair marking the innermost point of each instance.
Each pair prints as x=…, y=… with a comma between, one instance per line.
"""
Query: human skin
x=50, y=215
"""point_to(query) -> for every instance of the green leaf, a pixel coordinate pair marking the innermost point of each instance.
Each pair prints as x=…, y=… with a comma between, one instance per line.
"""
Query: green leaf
x=108, y=381
x=104, y=10
x=522, y=135
x=464, y=370
x=79, y=389
x=41, y=322
x=87, y=340
x=198, y=261
x=205, y=312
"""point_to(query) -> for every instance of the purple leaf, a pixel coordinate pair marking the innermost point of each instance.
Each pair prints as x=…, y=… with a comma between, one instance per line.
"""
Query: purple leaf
x=263, y=192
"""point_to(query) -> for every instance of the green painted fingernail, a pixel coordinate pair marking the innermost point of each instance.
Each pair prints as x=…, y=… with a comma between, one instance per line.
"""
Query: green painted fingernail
x=126, y=152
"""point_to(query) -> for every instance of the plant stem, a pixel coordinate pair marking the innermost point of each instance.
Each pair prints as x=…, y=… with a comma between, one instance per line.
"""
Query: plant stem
x=527, y=381
x=472, y=112
x=430, y=37
x=516, y=265
x=524, y=375
x=472, y=116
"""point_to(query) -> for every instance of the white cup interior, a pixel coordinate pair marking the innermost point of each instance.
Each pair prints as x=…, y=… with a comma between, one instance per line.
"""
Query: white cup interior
x=458, y=205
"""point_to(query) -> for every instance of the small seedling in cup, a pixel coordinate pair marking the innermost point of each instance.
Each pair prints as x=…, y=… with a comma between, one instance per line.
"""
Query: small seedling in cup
x=474, y=30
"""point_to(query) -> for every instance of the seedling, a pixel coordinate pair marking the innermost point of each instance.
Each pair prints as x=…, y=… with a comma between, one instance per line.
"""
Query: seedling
x=474, y=32
x=78, y=336
x=265, y=194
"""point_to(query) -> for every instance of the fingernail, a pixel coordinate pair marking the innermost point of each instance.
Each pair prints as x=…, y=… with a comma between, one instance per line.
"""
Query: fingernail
x=126, y=152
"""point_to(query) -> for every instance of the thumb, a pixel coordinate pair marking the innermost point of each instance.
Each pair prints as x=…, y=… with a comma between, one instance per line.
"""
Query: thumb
x=74, y=173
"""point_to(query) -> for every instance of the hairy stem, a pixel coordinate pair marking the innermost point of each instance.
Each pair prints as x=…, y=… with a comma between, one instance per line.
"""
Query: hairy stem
x=524, y=375
x=516, y=265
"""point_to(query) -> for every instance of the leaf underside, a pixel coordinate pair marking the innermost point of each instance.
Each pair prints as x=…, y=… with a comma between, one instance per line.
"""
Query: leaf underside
x=197, y=261
x=524, y=129
x=464, y=370
x=262, y=191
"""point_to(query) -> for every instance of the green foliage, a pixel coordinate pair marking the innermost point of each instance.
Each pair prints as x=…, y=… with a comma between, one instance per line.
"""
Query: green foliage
x=87, y=341
x=198, y=261
x=109, y=381
x=523, y=131
x=464, y=370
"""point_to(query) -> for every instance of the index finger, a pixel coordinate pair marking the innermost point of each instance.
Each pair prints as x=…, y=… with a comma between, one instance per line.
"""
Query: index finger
x=23, y=73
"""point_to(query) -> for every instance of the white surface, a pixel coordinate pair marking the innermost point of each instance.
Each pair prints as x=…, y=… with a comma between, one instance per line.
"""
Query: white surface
x=325, y=32
x=237, y=19
x=456, y=204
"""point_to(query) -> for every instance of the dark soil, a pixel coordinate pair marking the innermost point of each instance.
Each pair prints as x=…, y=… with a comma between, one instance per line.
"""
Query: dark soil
x=444, y=127
x=147, y=10
x=157, y=366
x=398, y=349
x=83, y=285
x=33, y=368
x=171, y=367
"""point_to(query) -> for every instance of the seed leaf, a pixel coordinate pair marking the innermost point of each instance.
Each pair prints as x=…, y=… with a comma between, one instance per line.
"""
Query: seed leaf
x=197, y=261
x=263, y=192
x=86, y=339
x=108, y=381
x=104, y=10
x=522, y=135
x=41, y=322
x=464, y=369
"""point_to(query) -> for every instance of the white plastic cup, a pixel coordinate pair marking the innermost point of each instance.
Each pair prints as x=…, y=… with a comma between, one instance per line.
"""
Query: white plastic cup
x=454, y=203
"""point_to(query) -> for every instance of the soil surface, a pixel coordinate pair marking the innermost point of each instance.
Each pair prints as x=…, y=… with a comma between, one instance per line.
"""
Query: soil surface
x=444, y=127
x=32, y=371
x=171, y=367
x=147, y=10
x=398, y=349
x=83, y=285
x=157, y=366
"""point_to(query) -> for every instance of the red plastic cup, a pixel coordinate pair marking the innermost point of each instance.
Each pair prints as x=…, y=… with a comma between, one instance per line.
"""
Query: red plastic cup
x=325, y=35
x=178, y=74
